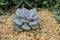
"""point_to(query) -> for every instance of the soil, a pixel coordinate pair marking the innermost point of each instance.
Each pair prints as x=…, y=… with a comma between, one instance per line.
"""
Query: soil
x=49, y=29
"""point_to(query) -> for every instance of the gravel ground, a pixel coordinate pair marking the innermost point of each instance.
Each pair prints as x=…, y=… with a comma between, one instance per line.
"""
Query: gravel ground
x=49, y=29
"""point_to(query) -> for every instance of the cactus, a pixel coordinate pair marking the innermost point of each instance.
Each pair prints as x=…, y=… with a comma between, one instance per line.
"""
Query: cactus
x=26, y=19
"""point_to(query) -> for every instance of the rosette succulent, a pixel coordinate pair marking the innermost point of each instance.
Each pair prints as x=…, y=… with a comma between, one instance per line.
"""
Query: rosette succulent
x=26, y=19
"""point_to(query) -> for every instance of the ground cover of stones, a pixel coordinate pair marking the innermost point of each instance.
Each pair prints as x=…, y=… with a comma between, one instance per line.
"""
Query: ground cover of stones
x=49, y=29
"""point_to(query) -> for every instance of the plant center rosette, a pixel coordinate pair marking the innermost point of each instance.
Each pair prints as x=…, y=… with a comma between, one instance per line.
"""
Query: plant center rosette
x=26, y=19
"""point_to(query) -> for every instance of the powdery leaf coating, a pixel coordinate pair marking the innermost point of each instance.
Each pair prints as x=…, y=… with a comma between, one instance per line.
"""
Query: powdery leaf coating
x=18, y=21
x=35, y=26
x=24, y=20
x=18, y=28
x=26, y=27
x=32, y=23
x=19, y=13
x=26, y=13
x=33, y=12
x=27, y=19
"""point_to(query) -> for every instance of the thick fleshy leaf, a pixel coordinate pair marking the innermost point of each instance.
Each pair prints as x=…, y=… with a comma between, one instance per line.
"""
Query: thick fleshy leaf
x=33, y=13
x=35, y=26
x=26, y=27
x=18, y=21
x=32, y=23
x=18, y=28
x=37, y=20
x=35, y=17
x=24, y=20
x=19, y=13
x=26, y=13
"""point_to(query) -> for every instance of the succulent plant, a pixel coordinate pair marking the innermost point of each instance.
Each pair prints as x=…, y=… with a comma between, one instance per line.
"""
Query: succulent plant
x=57, y=15
x=3, y=6
x=26, y=19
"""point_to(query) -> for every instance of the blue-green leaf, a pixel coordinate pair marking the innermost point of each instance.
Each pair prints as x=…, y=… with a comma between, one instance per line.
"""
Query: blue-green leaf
x=19, y=13
x=24, y=20
x=25, y=12
x=35, y=26
x=18, y=21
x=32, y=22
x=33, y=13
x=18, y=28
x=26, y=27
